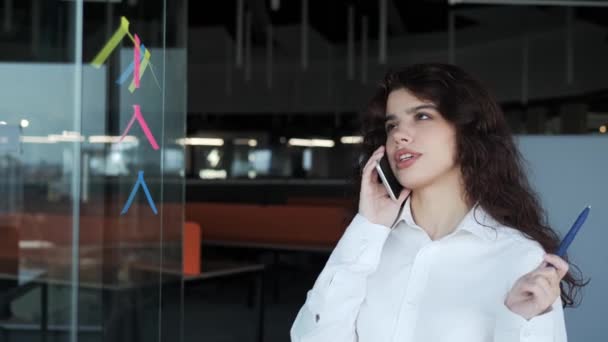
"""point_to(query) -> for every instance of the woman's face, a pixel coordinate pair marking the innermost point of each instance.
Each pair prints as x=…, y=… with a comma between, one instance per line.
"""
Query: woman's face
x=420, y=143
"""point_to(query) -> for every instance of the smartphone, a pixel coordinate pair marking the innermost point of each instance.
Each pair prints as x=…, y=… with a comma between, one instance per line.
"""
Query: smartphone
x=386, y=176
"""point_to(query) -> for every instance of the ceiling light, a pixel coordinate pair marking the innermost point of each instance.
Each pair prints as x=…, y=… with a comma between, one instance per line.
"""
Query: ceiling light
x=311, y=142
x=351, y=140
x=201, y=141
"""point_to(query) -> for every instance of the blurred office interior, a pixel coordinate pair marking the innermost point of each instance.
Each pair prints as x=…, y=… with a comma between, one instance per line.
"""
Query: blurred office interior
x=202, y=203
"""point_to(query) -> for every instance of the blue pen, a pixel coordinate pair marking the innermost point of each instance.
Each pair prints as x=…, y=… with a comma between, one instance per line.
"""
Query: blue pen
x=563, y=247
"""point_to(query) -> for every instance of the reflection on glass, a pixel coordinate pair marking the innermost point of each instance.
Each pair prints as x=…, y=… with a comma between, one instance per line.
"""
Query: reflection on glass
x=71, y=266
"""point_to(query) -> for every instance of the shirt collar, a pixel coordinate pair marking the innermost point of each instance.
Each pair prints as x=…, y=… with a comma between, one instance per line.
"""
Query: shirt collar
x=477, y=221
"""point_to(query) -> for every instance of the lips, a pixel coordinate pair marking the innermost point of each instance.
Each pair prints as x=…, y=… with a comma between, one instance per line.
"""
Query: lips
x=405, y=157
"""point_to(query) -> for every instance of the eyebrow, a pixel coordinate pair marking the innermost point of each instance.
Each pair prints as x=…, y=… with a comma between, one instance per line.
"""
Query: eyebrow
x=410, y=111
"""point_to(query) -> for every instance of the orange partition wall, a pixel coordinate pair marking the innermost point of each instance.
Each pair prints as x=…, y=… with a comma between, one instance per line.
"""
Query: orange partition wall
x=139, y=225
x=298, y=225
x=291, y=224
x=9, y=250
x=191, y=251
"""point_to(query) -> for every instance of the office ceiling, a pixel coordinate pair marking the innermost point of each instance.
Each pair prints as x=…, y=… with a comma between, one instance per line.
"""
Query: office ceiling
x=329, y=18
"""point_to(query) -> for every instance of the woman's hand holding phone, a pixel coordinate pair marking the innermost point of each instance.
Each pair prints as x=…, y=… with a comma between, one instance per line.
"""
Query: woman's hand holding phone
x=374, y=202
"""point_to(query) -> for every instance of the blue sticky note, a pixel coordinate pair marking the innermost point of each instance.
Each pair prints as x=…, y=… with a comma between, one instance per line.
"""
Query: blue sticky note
x=140, y=182
x=131, y=68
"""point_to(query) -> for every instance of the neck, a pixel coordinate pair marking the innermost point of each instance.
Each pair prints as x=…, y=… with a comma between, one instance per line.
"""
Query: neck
x=439, y=207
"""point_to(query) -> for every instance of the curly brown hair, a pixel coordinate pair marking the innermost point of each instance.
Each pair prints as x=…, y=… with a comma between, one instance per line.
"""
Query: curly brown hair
x=491, y=165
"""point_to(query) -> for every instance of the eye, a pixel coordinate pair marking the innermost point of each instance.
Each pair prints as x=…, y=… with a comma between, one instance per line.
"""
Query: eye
x=422, y=116
x=389, y=127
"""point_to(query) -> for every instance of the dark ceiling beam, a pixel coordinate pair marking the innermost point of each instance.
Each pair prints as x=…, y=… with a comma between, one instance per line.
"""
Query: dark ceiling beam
x=395, y=21
x=260, y=19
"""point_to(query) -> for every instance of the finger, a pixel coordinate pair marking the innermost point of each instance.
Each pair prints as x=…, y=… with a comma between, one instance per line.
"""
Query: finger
x=370, y=174
x=550, y=292
x=369, y=165
x=544, y=282
x=369, y=168
x=560, y=264
x=375, y=184
x=551, y=274
x=543, y=264
x=549, y=287
x=373, y=155
x=539, y=293
x=555, y=260
x=373, y=159
x=561, y=270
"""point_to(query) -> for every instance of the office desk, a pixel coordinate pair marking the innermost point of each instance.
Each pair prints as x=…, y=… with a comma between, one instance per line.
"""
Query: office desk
x=218, y=270
x=126, y=287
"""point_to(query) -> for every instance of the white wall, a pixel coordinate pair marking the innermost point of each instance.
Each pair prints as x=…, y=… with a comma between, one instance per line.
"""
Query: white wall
x=43, y=94
x=569, y=172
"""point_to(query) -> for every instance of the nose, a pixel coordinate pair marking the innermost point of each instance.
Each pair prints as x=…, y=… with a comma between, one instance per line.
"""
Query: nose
x=402, y=135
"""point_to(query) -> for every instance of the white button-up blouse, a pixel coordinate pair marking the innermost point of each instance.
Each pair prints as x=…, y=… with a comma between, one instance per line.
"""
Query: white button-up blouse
x=383, y=284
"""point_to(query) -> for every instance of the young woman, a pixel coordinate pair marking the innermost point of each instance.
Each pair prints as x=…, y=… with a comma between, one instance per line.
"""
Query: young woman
x=463, y=255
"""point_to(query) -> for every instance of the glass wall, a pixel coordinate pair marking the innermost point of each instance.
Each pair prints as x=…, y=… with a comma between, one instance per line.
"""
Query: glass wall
x=92, y=169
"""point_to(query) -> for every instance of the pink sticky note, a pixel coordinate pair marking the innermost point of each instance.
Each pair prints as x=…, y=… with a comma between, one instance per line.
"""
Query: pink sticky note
x=144, y=126
x=137, y=54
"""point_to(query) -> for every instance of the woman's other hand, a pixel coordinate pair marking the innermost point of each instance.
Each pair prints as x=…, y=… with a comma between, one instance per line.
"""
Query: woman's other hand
x=535, y=292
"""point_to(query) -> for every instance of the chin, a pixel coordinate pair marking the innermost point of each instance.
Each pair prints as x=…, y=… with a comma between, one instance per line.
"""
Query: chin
x=419, y=178
x=411, y=181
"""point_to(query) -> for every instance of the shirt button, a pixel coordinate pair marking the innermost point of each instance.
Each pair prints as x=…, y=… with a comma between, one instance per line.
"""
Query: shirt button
x=527, y=333
x=317, y=317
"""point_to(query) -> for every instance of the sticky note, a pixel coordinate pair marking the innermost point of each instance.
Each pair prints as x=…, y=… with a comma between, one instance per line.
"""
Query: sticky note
x=144, y=126
x=116, y=38
x=136, y=60
x=129, y=70
x=140, y=182
x=143, y=67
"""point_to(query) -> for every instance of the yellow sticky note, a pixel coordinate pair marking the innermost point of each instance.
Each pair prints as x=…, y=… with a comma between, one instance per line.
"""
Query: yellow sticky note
x=112, y=43
x=143, y=67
